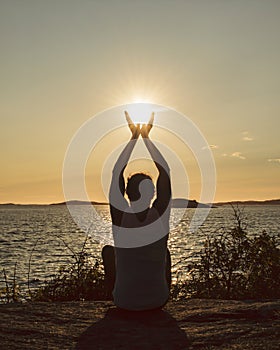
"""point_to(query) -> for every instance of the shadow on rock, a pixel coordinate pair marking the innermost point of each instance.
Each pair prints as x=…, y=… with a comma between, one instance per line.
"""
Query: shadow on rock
x=121, y=329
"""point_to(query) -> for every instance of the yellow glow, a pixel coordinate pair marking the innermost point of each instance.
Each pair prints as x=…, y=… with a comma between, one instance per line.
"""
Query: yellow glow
x=138, y=99
x=140, y=112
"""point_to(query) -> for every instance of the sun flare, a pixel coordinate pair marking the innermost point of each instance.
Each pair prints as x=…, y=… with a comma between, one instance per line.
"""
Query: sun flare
x=140, y=112
x=138, y=99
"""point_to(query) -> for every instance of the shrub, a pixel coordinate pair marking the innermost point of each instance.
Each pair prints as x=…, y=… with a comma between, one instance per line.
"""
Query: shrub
x=82, y=280
x=234, y=266
x=11, y=291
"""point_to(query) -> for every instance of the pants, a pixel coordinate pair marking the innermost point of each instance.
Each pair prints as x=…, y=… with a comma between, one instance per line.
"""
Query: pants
x=108, y=256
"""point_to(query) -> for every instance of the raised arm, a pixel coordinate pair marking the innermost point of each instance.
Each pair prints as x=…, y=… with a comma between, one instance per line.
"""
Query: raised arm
x=116, y=194
x=163, y=187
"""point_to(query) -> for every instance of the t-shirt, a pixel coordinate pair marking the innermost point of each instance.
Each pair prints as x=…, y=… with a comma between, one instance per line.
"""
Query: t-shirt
x=141, y=271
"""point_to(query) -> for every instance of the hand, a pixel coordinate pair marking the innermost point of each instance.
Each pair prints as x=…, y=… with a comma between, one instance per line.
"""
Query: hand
x=135, y=129
x=146, y=128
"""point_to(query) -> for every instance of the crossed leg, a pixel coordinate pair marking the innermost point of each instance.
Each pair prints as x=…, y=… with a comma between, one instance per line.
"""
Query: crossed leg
x=108, y=256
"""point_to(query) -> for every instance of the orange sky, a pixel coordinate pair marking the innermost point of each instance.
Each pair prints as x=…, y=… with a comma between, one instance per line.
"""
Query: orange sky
x=214, y=61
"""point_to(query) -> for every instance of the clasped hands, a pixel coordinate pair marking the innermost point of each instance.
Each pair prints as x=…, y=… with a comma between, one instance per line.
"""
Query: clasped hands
x=135, y=128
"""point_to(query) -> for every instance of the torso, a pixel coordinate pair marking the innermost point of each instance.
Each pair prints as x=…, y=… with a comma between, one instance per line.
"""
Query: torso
x=140, y=270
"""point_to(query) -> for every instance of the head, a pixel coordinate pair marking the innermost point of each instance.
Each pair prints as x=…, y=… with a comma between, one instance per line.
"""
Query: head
x=140, y=186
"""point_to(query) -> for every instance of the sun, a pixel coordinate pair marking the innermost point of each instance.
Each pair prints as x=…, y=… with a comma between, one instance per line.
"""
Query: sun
x=140, y=112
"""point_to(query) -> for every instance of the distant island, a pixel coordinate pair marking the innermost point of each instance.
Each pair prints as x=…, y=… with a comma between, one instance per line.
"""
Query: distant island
x=73, y=202
x=187, y=203
x=250, y=202
x=176, y=203
x=77, y=202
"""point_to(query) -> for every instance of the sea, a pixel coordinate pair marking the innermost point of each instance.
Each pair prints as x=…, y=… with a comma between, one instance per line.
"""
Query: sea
x=36, y=240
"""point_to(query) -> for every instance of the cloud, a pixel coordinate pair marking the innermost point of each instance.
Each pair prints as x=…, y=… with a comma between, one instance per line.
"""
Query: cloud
x=274, y=160
x=237, y=155
x=246, y=136
x=234, y=155
x=210, y=147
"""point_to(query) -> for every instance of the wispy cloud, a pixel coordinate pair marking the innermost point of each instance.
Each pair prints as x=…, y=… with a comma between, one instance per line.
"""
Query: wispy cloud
x=210, y=147
x=274, y=160
x=234, y=155
x=237, y=155
x=246, y=136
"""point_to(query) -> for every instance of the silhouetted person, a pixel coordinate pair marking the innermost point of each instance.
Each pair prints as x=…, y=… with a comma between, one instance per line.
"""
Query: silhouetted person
x=137, y=269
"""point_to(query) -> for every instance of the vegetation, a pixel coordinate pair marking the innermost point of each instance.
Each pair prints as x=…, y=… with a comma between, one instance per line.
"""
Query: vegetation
x=11, y=291
x=83, y=279
x=231, y=265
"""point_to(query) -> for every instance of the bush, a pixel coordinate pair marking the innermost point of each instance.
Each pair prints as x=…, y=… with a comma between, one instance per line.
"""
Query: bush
x=82, y=280
x=11, y=292
x=234, y=266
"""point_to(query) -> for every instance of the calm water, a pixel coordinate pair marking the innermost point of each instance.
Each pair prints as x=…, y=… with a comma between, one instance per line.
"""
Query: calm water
x=46, y=236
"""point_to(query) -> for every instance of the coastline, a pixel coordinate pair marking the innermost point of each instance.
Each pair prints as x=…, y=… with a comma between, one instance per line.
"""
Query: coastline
x=189, y=324
x=176, y=203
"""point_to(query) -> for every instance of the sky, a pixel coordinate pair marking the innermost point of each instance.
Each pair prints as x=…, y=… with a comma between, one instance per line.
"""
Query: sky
x=64, y=61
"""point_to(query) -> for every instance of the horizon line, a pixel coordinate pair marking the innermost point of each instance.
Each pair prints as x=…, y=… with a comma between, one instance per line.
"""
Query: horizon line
x=107, y=203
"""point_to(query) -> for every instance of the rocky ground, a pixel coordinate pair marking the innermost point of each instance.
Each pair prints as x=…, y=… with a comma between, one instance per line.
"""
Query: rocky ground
x=191, y=324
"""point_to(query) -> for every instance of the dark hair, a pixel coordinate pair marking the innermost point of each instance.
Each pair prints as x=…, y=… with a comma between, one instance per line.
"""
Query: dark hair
x=133, y=183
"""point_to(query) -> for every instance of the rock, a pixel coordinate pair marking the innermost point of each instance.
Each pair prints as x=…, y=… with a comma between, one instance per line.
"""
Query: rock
x=190, y=324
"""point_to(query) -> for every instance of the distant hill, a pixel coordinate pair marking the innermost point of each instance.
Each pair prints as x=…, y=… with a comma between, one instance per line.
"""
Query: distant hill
x=187, y=203
x=176, y=203
x=266, y=202
x=76, y=202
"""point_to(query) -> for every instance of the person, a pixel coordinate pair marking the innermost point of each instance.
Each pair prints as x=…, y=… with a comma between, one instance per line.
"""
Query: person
x=138, y=268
